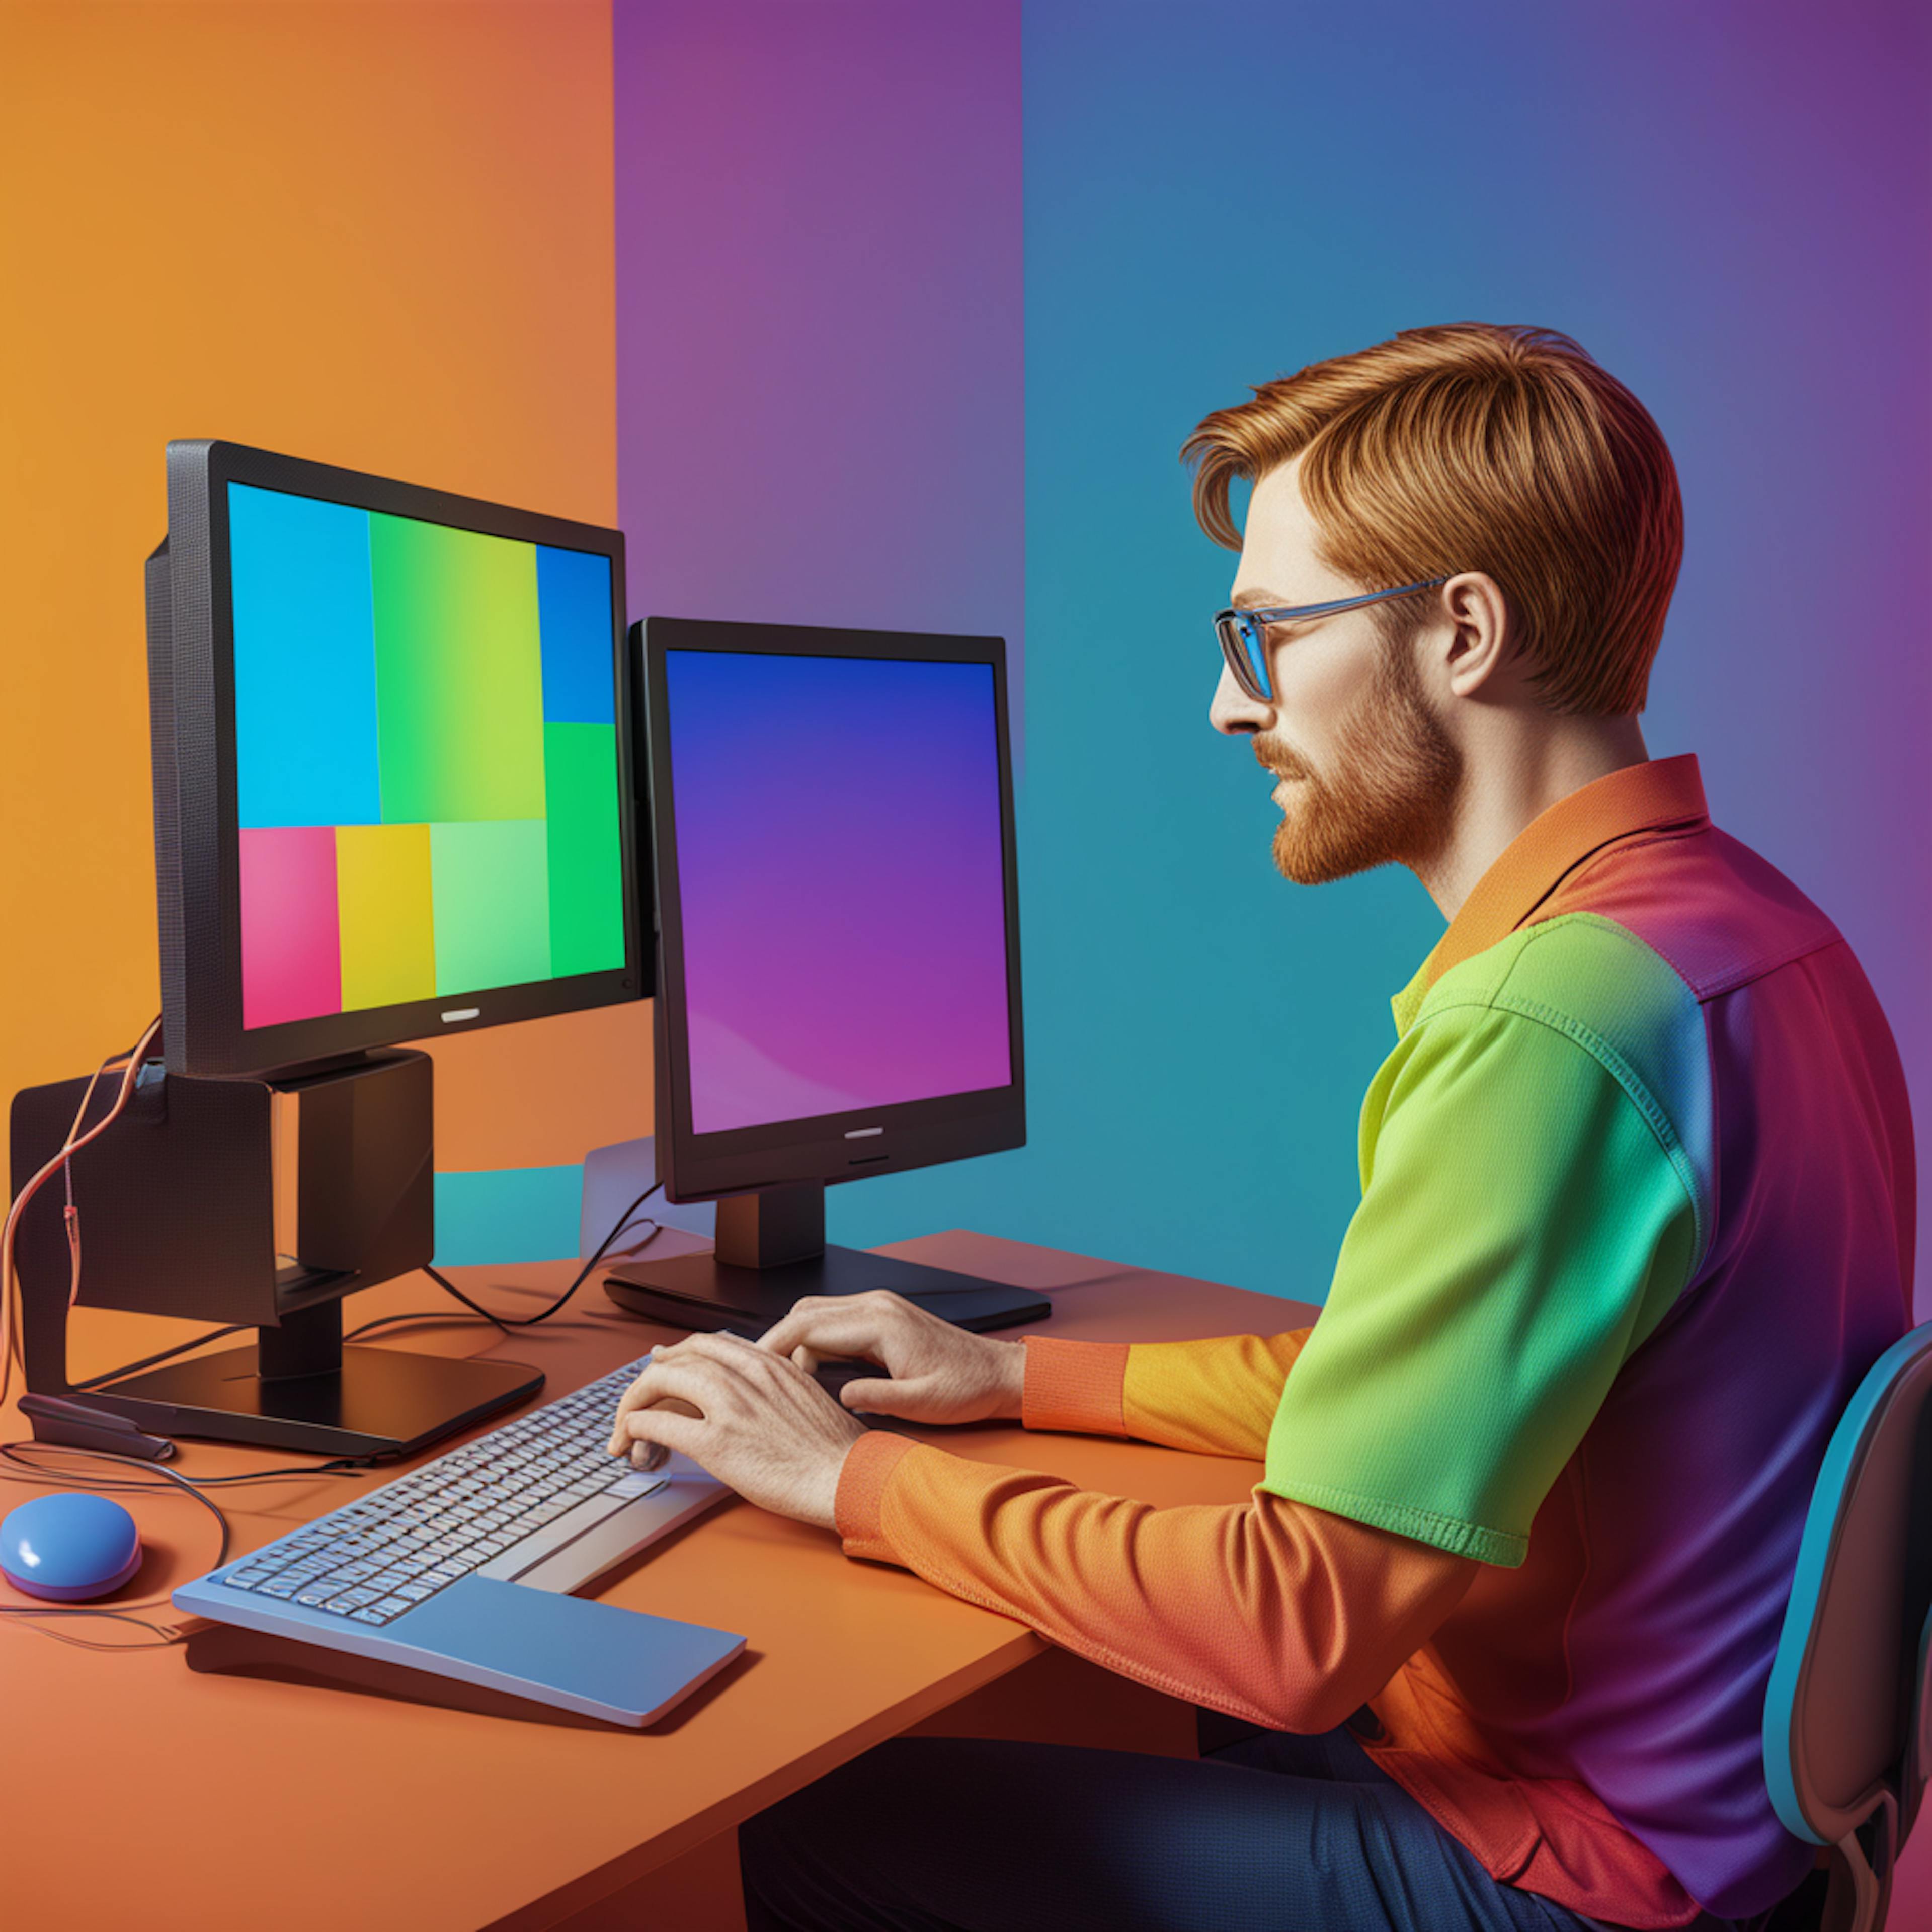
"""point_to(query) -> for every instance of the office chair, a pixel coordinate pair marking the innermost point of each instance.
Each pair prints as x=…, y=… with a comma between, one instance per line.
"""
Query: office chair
x=1847, y=1718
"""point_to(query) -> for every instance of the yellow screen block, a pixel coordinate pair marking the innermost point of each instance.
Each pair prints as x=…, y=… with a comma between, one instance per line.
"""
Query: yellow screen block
x=387, y=922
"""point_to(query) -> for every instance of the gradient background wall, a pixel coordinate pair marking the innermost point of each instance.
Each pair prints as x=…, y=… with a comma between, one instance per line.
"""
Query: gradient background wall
x=756, y=277
x=1729, y=204
x=749, y=278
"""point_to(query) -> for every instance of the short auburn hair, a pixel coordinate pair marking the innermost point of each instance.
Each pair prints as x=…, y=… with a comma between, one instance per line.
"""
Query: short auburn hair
x=1478, y=446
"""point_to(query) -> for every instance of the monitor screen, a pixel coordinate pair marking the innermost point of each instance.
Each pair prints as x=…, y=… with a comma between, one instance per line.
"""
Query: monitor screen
x=426, y=760
x=838, y=834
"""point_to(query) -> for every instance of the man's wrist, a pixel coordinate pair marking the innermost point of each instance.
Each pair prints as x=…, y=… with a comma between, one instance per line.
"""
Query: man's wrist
x=1013, y=1382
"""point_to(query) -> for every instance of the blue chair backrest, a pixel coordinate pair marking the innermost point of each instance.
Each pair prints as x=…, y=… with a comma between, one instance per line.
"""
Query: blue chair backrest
x=1846, y=1716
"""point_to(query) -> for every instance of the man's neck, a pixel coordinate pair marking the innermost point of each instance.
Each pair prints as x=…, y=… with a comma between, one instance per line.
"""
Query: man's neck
x=1517, y=769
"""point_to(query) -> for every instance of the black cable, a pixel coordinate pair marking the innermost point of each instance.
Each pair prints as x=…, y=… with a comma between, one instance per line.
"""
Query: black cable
x=414, y=1315
x=583, y=1275
x=341, y=1465
x=163, y=1632
x=165, y=1355
x=504, y=1322
x=337, y=1465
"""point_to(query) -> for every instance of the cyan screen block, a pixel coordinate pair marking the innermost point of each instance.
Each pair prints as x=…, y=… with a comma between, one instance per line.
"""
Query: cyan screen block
x=490, y=883
x=304, y=660
x=585, y=853
x=513, y=1214
x=459, y=673
x=579, y=676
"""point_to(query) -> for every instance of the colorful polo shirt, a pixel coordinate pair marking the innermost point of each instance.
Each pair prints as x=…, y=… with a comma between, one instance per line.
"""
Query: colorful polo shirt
x=1637, y=1216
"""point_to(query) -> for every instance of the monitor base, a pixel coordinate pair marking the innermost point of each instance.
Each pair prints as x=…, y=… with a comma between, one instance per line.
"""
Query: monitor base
x=381, y=1402
x=701, y=1291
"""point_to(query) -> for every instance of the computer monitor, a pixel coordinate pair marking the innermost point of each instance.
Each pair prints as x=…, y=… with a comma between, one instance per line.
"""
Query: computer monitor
x=394, y=797
x=838, y=949
x=393, y=788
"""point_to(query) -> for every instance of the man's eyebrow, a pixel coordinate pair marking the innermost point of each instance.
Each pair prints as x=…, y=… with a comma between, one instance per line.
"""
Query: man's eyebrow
x=1261, y=600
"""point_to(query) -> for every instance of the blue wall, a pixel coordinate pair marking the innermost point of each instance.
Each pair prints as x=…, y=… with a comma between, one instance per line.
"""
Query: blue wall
x=1729, y=205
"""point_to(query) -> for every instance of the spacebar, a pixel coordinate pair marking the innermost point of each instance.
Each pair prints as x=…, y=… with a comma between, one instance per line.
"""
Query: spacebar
x=512, y=1563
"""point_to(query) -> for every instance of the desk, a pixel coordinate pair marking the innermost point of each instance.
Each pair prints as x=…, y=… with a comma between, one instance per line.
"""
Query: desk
x=138, y=1793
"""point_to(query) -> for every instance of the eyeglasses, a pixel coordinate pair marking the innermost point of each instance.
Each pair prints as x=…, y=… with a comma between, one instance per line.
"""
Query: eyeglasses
x=1244, y=633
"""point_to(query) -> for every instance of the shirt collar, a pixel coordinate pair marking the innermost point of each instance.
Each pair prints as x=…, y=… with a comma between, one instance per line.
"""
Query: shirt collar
x=1639, y=798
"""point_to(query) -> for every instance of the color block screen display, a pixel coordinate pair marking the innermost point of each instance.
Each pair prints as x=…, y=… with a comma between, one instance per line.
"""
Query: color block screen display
x=426, y=759
x=840, y=874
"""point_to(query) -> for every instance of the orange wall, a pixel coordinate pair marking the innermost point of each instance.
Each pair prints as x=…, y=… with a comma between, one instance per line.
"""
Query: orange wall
x=378, y=235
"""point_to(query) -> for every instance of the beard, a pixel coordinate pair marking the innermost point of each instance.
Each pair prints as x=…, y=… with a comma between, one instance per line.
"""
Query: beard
x=1390, y=794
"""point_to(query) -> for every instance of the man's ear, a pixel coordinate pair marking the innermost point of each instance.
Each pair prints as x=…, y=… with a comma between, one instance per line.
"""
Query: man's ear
x=1479, y=644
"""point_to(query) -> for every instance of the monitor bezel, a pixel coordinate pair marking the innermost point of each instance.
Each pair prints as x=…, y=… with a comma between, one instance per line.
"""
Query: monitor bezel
x=913, y=1133
x=192, y=670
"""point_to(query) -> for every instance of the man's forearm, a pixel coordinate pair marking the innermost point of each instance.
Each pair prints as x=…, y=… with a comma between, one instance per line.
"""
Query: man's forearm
x=1270, y=1610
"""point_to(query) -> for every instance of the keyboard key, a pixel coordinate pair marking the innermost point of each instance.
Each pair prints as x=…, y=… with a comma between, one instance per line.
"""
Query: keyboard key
x=636, y=1483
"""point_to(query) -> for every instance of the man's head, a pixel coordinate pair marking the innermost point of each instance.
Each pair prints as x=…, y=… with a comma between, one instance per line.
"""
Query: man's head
x=1503, y=459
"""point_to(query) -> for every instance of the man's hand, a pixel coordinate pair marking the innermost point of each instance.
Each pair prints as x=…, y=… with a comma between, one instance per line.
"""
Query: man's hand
x=934, y=1372
x=762, y=1425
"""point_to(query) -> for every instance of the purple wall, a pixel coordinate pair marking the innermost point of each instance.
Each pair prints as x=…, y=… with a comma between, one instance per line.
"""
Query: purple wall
x=819, y=322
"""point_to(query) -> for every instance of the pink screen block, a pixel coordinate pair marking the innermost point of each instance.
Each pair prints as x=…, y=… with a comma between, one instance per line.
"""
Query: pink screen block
x=291, y=941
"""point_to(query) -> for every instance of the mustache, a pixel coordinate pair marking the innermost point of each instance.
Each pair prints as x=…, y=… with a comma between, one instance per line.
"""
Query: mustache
x=1273, y=756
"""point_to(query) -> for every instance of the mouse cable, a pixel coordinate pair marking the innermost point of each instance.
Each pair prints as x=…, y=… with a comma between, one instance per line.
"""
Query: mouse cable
x=163, y=1634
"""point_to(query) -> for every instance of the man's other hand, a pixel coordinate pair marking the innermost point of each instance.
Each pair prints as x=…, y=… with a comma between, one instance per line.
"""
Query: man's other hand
x=933, y=1371
x=763, y=1426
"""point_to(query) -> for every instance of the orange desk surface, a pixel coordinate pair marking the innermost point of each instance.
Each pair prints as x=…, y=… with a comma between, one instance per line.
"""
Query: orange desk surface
x=134, y=1792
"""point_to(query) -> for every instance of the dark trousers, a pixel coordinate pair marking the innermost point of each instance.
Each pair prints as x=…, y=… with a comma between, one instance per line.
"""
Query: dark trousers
x=1272, y=1833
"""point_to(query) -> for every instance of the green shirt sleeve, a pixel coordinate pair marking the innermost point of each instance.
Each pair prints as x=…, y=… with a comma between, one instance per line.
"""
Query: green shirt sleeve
x=1526, y=1220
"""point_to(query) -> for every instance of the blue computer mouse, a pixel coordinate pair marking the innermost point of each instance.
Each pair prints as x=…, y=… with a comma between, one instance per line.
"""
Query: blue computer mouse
x=69, y=1547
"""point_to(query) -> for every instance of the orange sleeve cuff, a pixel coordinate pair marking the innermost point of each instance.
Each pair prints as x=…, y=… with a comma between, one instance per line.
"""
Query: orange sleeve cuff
x=859, y=1507
x=1074, y=1385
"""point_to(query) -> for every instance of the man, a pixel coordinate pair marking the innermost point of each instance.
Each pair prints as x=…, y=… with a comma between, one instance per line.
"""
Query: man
x=1637, y=1216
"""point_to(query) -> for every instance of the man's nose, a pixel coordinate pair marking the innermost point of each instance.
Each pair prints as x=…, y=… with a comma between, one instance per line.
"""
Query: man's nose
x=1233, y=710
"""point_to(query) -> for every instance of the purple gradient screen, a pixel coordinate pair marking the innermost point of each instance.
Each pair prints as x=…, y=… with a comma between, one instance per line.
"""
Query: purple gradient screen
x=841, y=879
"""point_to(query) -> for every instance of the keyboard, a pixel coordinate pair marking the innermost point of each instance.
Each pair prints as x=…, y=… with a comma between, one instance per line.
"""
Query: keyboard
x=411, y=1572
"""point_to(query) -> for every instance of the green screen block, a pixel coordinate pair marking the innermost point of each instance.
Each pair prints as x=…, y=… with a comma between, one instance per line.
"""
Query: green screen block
x=491, y=887
x=459, y=674
x=587, y=892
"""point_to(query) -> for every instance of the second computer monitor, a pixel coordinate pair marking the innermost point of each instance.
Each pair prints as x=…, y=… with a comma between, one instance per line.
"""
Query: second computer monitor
x=838, y=908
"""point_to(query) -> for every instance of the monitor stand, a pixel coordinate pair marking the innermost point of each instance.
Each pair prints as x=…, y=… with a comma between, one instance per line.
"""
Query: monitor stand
x=297, y=1386
x=771, y=1250
x=300, y=1388
x=179, y=1209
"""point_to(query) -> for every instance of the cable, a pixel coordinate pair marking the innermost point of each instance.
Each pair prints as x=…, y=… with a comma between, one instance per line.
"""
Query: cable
x=337, y=1465
x=75, y=1142
x=164, y=1355
x=583, y=1275
x=164, y=1634
x=10, y=1344
x=504, y=1322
